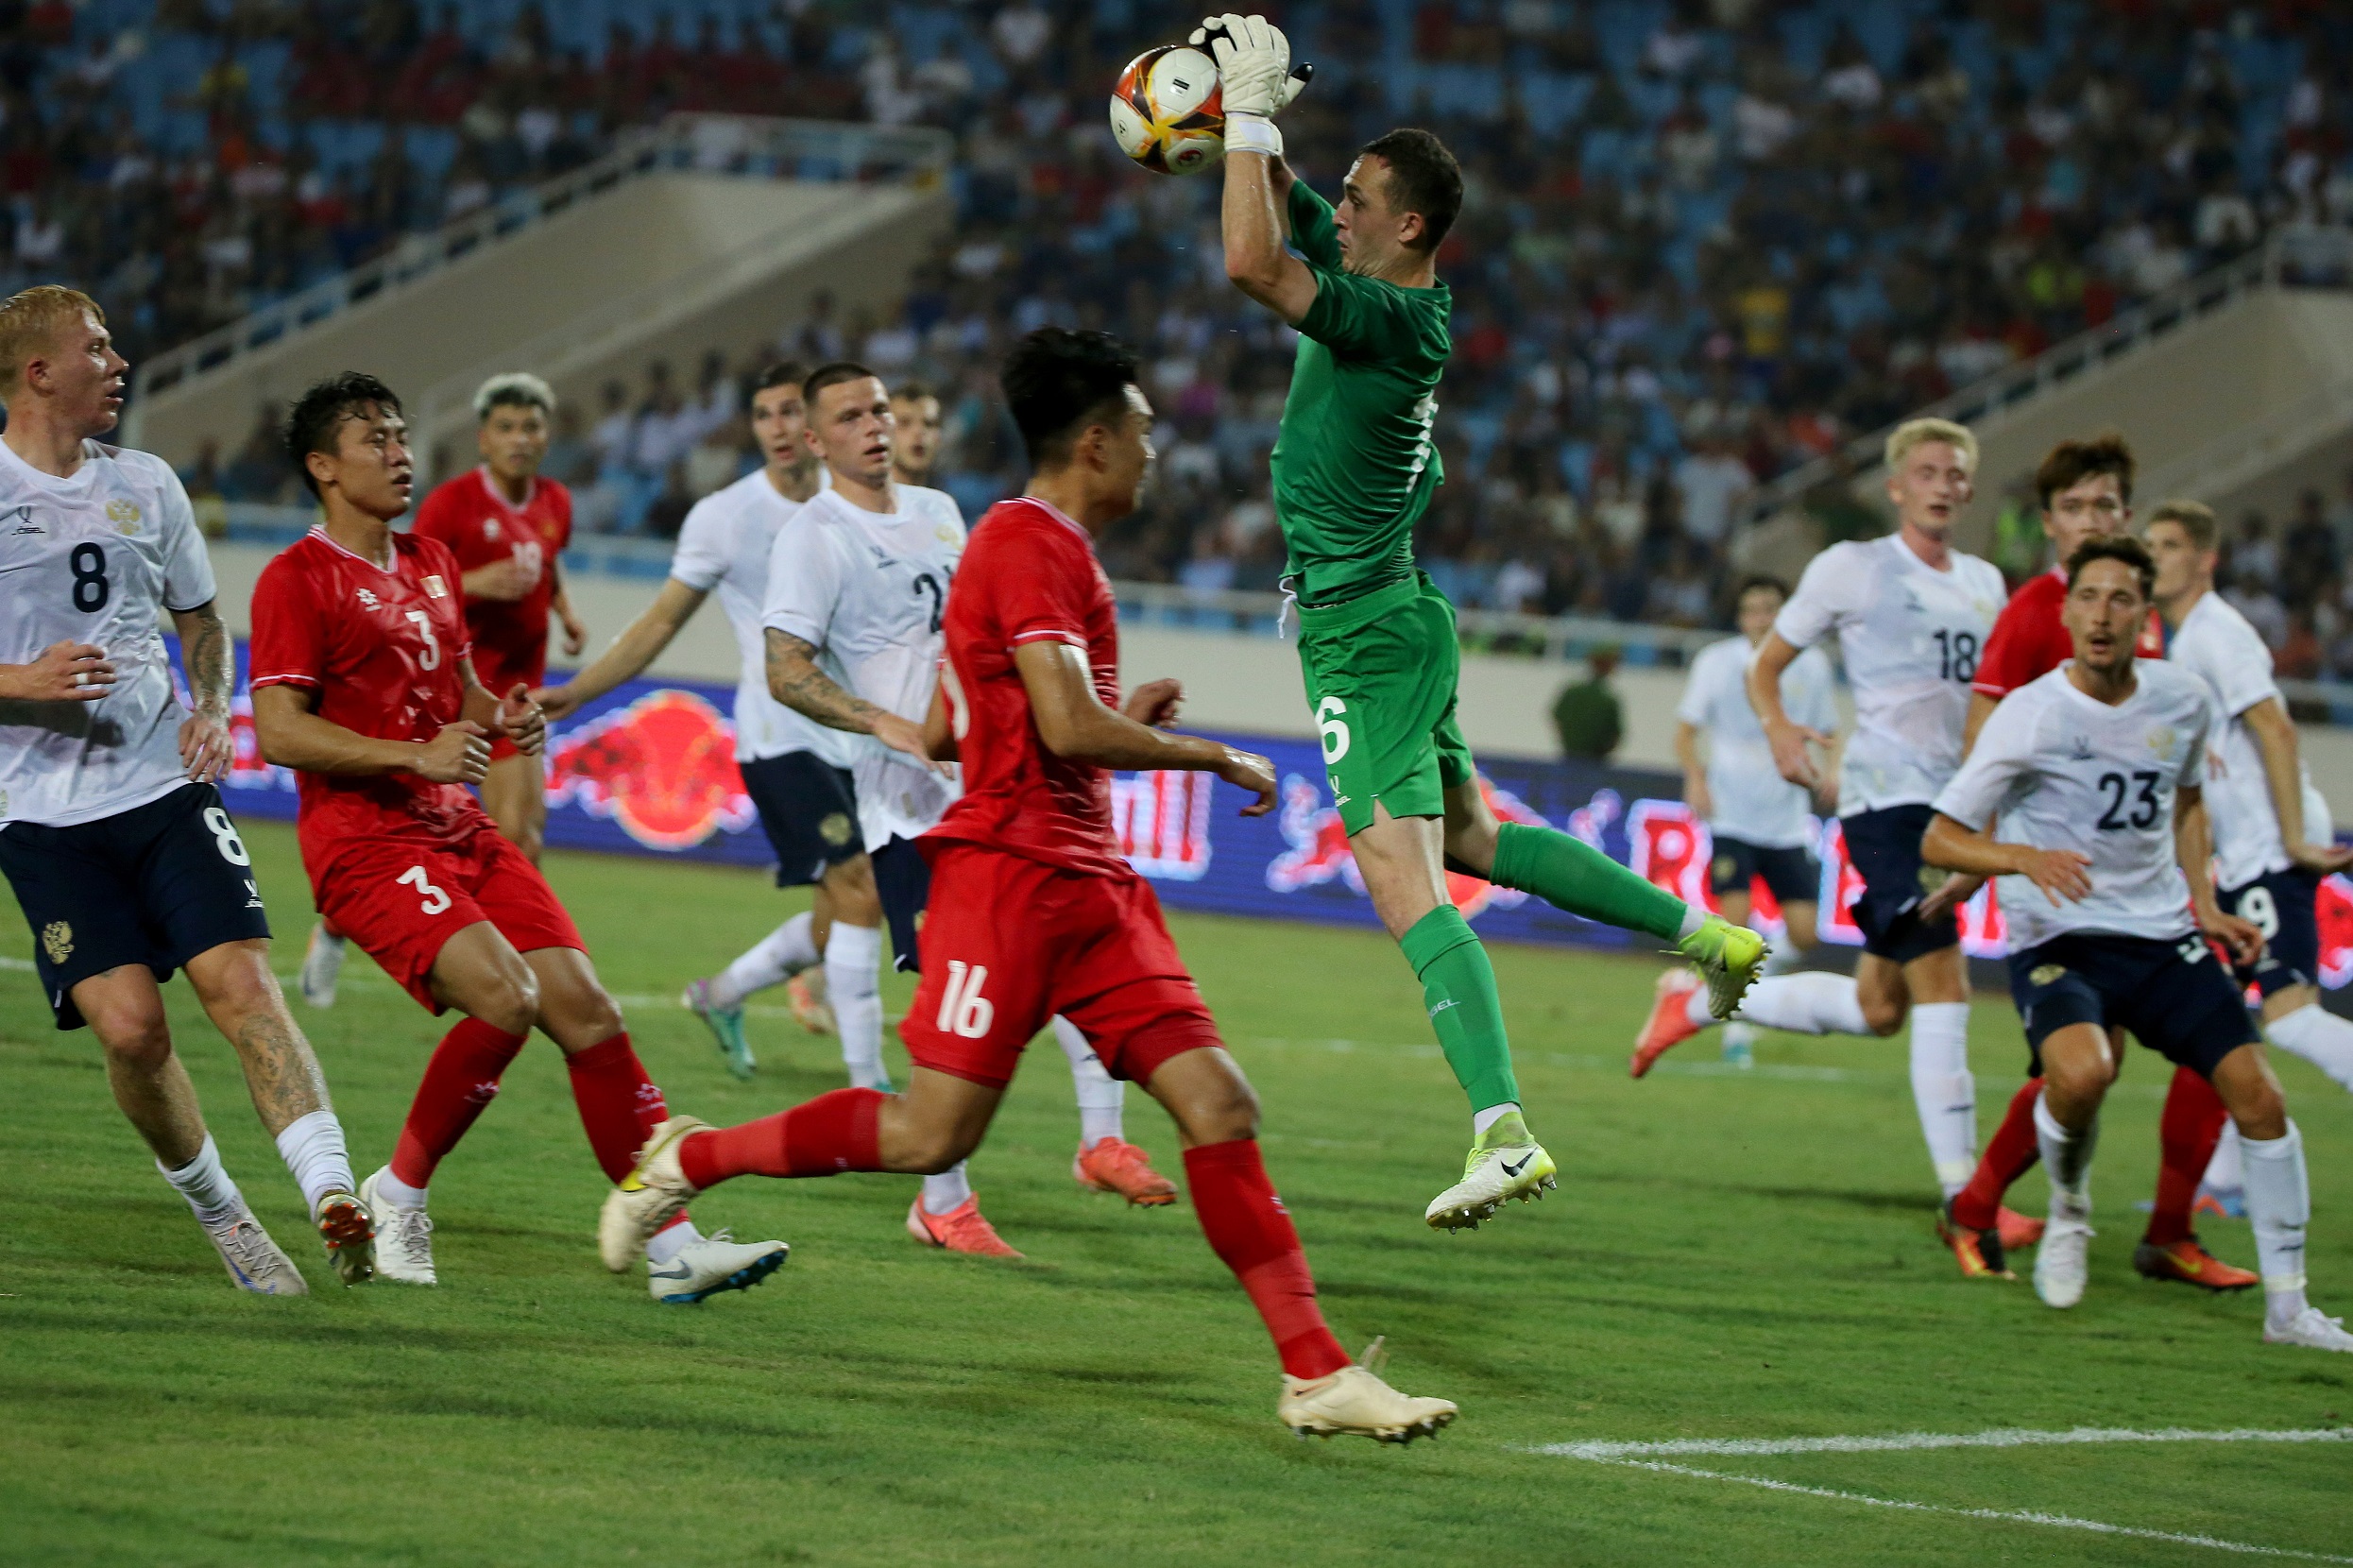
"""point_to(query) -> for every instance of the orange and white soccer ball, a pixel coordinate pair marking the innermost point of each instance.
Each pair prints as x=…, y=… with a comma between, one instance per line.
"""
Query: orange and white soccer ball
x=1167, y=112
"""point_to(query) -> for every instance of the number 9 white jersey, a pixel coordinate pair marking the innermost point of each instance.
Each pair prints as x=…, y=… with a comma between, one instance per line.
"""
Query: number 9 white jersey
x=95, y=558
x=1910, y=638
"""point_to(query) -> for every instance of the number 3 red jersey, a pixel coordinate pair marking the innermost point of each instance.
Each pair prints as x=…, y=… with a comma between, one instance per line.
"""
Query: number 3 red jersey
x=381, y=651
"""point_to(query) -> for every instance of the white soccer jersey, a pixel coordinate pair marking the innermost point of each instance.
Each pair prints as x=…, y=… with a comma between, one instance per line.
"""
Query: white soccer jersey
x=723, y=548
x=95, y=558
x=1753, y=802
x=2066, y=771
x=867, y=590
x=2217, y=645
x=1910, y=637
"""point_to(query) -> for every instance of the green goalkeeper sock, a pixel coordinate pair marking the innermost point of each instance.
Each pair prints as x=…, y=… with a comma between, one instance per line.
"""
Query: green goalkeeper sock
x=1573, y=875
x=1459, y=985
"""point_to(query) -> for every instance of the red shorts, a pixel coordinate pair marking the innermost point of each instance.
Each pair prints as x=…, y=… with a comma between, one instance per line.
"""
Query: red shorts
x=400, y=901
x=1008, y=943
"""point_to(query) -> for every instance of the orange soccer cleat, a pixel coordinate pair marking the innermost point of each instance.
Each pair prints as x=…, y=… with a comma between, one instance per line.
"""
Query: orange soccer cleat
x=2187, y=1263
x=1978, y=1253
x=2018, y=1231
x=1670, y=1022
x=960, y=1230
x=806, y=994
x=1114, y=1164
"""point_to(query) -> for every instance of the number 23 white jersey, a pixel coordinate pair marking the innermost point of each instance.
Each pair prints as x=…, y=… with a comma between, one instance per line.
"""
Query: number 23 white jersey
x=1910, y=637
x=95, y=559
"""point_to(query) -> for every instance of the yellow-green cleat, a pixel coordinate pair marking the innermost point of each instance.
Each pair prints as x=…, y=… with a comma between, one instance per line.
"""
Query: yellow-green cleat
x=1729, y=958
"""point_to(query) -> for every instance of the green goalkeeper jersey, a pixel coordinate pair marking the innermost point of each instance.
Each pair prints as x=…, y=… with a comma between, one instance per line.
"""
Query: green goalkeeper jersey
x=1355, y=467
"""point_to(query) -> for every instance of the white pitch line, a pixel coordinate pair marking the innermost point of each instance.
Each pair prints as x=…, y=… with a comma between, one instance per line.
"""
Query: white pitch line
x=23, y=964
x=1900, y=1441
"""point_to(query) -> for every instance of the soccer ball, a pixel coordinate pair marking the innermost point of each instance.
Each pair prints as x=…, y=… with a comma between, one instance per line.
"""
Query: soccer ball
x=1166, y=110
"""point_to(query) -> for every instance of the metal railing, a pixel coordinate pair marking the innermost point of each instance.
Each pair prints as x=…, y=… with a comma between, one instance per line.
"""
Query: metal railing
x=746, y=145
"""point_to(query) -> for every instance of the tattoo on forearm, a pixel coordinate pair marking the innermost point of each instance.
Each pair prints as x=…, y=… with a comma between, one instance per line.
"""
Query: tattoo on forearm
x=211, y=667
x=795, y=680
x=281, y=1071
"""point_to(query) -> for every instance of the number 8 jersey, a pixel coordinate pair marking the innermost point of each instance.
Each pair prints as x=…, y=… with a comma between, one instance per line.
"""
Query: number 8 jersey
x=1909, y=637
x=96, y=557
x=2067, y=772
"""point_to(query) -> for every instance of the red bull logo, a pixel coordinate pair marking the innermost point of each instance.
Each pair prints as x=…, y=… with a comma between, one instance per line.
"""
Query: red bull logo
x=2334, y=908
x=1319, y=847
x=663, y=768
x=1162, y=822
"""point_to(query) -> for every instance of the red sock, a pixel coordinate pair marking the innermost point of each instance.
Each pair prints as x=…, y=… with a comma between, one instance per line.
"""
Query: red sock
x=619, y=1104
x=1251, y=1232
x=2186, y=1133
x=2011, y=1154
x=832, y=1133
x=462, y=1078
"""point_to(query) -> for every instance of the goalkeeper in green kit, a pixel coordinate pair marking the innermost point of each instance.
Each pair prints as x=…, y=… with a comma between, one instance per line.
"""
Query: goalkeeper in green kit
x=1355, y=467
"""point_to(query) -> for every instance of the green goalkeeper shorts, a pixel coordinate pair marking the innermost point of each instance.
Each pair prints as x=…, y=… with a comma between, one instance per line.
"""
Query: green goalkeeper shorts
x=1380, y=673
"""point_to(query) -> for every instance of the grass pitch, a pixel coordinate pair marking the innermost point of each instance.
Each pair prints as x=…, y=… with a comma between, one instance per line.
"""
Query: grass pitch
x=1732, y=1255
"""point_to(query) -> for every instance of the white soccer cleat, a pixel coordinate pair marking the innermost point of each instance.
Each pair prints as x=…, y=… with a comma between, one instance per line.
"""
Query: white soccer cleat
x=403, y=1239
x=322, y=965
x=1353, y=1402
x=652, y=1191
x=253, y=1260
x=702, y=1269
x=1491, y=1178
x=2312, y=1330
x=2063, y=1262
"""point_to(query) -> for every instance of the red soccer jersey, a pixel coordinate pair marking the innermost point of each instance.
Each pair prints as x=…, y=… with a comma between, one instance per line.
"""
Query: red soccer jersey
x=381, y=649
x=472, y=517
x=2029, y=640
x=1029, y=573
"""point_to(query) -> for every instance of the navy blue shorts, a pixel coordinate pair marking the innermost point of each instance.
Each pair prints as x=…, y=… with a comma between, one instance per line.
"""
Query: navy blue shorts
x=2283, y=905
x=1884, y=847
x=157, y=885
x=809, y=809
x=1792, y=874
x=903, y=877
x=2174, y=995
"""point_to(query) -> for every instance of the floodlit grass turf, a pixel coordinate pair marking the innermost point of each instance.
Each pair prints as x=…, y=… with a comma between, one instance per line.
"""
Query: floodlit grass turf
x=1730, y=1257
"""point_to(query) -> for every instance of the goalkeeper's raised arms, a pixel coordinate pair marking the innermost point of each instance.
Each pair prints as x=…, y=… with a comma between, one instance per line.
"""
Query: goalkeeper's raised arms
x=1257, y=80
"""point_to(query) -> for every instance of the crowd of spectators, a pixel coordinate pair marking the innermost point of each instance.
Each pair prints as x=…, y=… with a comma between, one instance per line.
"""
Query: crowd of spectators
x=2292, y=582
x=1705, y=240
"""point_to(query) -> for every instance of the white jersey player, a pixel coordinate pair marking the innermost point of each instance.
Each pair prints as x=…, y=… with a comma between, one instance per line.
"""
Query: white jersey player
x=858, y=585
x=112, y=832
x=1911, y=614
x=2096, y=773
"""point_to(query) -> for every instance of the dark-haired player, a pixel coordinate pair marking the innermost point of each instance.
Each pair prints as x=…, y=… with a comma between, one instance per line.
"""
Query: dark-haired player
x=1355, y=467
x=363, y=683
x=915, y=441
x=2098, y=771
x=1034, y=911
x=112, y=834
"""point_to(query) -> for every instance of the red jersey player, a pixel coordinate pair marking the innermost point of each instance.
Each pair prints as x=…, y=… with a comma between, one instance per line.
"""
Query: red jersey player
x=362, y=681
x=2086, y=489
x=1034, y=913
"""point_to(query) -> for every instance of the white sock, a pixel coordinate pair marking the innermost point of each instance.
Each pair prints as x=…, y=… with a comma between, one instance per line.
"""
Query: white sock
x=1482, y=1120
x=2279, y=1206
x=206, y=1184
x=1101, y=1097
x=773, y=960
x=853, y=961
x=1944, y=1092
x=2320, y=1037
x=311, y=1147
x=396, y=1192
x=669, y=1242
x=1694, y=917
x=1811, y=1004
x=1695, y=1010
x=946, y=1191
x=2224, y=1172
x=2067, y=1160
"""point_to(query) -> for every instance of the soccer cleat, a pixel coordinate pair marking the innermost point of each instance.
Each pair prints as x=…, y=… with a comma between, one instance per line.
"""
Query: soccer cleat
x=322, y=965
x=2063, y=1262
x=2311, y=1329
x=2187, y=1263
x=253, y=1260
x=960, y=1230
x=403, y=1238
x=1730, y=958
x=1353, y=1402
x=2018, y=1230
x=1978, y=1253
x=349, y=1229
x=726, y=1024
x=1114, y=1164
x=652, y=1191
x=805, y=992
x=1669, y=1024
x=2222, y=1202
x=1491, y=1177
x=719, y=1262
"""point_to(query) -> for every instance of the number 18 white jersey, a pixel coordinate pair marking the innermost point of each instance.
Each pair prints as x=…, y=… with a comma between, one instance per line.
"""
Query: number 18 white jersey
x=2067, y=772
x=1910, y=637
x=95, y=559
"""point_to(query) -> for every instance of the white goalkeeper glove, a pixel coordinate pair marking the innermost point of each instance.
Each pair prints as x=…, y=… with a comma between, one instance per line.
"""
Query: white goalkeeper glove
x=1254, y=72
